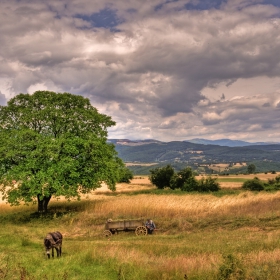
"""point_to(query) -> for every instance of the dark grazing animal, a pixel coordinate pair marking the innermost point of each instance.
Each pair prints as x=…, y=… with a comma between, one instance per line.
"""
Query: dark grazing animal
x=51, y=241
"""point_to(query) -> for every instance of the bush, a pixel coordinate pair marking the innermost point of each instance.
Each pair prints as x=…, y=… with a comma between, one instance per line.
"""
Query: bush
x=208, y=184
x=253, y=185
x=231, y=269
x=125, y=175
x=190, y=185
x=273, y=184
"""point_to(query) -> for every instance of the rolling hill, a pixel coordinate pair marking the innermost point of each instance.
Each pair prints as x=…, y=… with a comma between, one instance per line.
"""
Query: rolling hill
x=179, y=153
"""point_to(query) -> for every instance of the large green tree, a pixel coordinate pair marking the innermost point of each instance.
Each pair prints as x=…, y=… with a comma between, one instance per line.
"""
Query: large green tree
x=54, y=144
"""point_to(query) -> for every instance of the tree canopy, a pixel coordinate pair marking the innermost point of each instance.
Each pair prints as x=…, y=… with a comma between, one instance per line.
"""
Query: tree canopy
x=54, y=144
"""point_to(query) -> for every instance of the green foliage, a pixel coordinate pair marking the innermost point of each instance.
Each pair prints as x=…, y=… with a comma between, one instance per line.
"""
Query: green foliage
x=208, y=184
x=253, y=185
x=231, y=269
x=251, y=168
x=125, y=175
x=183, y=179
x=273, y=184
x=54, y=144
x=161, y=177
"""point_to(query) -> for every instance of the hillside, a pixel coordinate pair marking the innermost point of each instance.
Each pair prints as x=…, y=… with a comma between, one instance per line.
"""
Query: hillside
x=227, y=142
x=192, y=154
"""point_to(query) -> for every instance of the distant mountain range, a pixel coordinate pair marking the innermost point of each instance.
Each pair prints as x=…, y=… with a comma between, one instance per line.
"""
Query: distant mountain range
x=220, y=142
x=228, y=142
x=198, y=152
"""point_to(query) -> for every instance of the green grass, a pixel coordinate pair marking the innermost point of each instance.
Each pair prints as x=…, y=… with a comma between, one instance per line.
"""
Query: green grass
x=199, y=246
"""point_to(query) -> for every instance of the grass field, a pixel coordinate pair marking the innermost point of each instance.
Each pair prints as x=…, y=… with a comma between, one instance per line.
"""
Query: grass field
x=234, y=235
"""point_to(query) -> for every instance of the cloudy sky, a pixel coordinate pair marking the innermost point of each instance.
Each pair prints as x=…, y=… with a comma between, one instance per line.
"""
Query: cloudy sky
x=167, y=70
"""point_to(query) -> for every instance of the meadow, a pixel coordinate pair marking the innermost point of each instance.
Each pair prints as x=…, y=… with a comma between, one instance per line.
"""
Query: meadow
x=232, y=234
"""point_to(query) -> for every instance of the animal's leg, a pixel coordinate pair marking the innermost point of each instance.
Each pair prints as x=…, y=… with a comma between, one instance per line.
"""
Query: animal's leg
x=57, y=251
x=48, y=254
x=52, y=253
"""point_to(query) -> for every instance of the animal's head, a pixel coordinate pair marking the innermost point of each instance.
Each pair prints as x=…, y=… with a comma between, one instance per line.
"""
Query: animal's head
x=48, y=246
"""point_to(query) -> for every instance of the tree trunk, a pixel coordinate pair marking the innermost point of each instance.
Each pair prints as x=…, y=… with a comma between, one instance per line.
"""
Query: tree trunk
x=43, y=203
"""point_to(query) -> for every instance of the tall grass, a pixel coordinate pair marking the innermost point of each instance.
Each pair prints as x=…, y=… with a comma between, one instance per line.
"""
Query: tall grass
x=198, y=205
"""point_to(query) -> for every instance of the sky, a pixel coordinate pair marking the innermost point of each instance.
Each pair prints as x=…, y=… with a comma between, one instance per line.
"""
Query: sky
x=168, y=70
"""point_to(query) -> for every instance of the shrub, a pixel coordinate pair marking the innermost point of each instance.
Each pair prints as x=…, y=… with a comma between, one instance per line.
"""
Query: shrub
x=273, y=184
x=190, y=185
x=208, y=184
x=125, y=175
x=231, y=269
x=253, y=185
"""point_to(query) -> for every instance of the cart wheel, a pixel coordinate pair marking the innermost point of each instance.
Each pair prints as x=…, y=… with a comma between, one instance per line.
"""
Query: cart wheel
x=142, y=230
x=107, y=233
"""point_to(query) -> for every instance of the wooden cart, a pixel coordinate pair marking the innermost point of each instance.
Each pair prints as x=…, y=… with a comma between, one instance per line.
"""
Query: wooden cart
x=112, y=227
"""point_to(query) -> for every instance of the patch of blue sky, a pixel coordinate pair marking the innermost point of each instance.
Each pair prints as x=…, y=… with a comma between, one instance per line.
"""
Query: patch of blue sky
x=196, y=4
x=275, y=3
x=158, y=7
x=106, y=18
x=212, y=4
x=204, y=4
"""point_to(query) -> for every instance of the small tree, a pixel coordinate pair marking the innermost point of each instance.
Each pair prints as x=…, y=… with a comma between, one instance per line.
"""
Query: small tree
x=161, y=177
x=251, y=168
x=54, y=144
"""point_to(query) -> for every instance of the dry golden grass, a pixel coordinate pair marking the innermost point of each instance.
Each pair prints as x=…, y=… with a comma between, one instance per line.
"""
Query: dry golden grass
x=200, y=206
